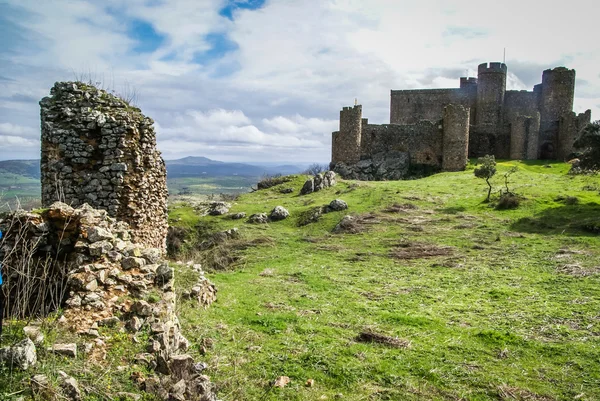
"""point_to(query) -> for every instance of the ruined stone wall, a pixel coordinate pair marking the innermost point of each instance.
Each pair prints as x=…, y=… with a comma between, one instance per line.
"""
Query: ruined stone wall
x=345, y=146
x=455, y=138
x=524, y=137
x=422, y=141
x=412, y=106
x=98, y=149
x=569, y=127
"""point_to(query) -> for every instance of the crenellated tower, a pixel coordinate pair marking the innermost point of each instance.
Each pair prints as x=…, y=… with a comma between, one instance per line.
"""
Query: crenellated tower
x=491, y=87
x=346, y=142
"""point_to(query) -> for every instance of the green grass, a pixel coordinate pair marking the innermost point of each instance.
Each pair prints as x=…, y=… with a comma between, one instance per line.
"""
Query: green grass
x=18, y=189
x=211, y=185
x=511, y=311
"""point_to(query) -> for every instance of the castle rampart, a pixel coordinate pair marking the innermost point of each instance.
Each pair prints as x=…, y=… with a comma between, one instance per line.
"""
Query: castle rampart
x=428, y=129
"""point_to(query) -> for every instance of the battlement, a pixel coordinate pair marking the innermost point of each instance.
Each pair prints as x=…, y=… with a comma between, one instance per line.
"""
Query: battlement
x=439, y=127
x=493, y=67
x=469, y=82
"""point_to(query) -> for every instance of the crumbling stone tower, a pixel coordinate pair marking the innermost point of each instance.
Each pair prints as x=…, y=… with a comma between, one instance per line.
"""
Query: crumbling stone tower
x=98, y=149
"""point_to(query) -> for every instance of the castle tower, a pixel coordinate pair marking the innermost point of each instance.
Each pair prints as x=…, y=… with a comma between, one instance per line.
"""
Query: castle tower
x=524, y=133
x=100, y=150
x=345, y=146
x=455, y=138
x=491, y=87
x=558, y=91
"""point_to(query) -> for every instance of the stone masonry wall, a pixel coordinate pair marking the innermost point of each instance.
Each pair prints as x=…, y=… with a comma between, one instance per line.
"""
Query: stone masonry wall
x=456, y=138
x=98, y=149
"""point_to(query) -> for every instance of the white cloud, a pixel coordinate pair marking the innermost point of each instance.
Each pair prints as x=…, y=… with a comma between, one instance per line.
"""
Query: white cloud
x=17, y=131
x=278, y=94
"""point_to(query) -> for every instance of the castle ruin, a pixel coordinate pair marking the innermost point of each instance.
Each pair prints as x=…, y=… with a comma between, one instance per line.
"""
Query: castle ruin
x=439, y=129
x=98, y=149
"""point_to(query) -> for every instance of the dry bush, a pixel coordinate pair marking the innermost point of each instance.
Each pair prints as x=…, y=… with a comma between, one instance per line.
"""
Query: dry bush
x=508, y=201
x=35, y=274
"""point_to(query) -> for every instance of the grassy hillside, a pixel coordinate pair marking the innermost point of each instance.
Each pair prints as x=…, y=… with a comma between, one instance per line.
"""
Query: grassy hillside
x=463, y=301
x=17, y=189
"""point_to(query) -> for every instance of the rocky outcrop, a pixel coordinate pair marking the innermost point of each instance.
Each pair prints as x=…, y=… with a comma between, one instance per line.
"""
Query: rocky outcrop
x=106, y=280
x=318, y=182
x=258, y=218
x=382, y=166
x=100, y=150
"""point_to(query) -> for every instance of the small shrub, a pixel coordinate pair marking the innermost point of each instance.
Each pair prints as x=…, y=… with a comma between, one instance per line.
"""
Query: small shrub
x=486, y=170
x=507, y=201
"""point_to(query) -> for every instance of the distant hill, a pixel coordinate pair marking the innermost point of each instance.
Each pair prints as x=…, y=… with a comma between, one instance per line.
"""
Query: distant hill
x=27, y=168
x=191, y=166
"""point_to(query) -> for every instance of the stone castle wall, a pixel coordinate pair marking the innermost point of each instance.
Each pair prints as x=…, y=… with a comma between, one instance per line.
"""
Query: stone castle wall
x=98, y=149
x=506, y=124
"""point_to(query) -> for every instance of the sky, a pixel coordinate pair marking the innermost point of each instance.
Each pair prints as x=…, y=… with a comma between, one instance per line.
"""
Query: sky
x=264, y=80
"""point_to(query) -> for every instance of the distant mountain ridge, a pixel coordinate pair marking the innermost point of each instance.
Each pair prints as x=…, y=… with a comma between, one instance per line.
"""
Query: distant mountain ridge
x=190, y=166
x=27, y=168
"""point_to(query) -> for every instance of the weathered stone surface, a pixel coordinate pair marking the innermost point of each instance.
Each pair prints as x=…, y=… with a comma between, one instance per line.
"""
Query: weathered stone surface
x=337, y=205
x=132, y=262
x=382, y=166
x=344, y=224
x=318, y=182
x=218, y=208
x=69, y=350
x=70, y=388
x=164, y=274
x=95, y=234
x=237, y=216
x=258, y=218
x=34, y=333
x=21, y=355
x=308, y=187
x=278, y=213
x=98, y=149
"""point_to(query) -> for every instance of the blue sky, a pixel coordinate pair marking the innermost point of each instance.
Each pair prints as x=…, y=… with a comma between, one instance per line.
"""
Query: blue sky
x=264, y=80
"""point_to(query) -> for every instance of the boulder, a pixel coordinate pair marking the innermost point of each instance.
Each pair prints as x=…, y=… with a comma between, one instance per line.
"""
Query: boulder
x=218, y=208
x=308, y=187
x=69, y=350
x=258, y=218
x=34, y=333
x=278, y=213
x=238, y=216
x=70, y=387
x=21, y=355
x=337, y=205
